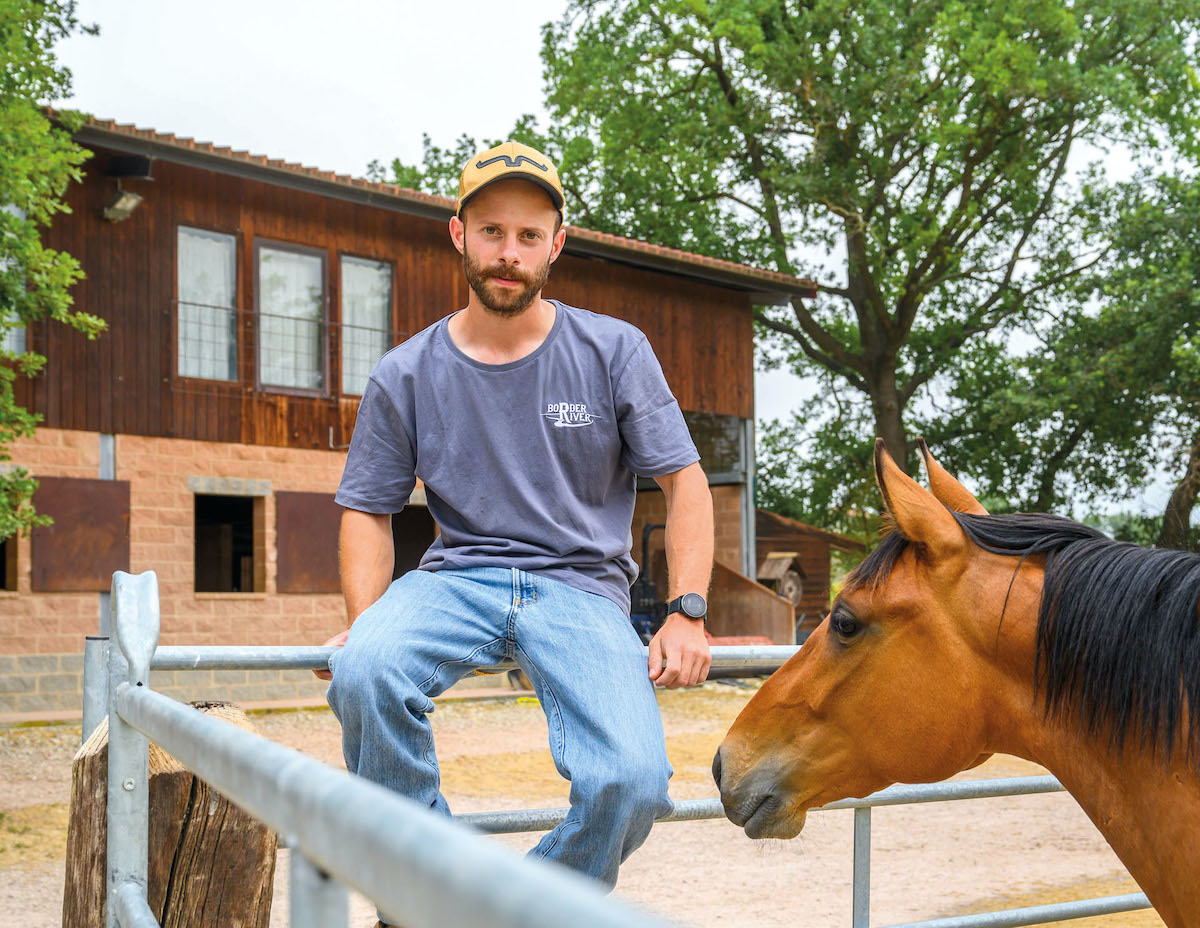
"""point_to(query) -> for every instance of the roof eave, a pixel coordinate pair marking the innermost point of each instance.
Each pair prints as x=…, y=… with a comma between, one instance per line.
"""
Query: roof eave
x=581, y=242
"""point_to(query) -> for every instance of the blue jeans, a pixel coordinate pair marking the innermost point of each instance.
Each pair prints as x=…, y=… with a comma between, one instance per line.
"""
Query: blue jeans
x=585, y=662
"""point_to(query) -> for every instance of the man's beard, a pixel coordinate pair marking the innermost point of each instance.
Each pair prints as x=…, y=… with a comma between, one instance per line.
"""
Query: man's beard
x=501, y=300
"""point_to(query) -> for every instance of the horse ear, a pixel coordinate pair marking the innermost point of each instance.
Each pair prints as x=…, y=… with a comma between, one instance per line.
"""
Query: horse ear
x=949, y=492
x=918, y=514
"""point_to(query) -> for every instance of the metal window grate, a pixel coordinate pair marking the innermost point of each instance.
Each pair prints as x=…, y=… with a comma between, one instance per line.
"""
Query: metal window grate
x=366, y=318
x=207, y=341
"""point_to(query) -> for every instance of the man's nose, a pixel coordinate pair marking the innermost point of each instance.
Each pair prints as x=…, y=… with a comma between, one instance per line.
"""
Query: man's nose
x=509, y=253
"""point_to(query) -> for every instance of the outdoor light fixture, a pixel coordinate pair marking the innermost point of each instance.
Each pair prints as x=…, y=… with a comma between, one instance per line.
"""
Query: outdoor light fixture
x=122, y=205
x=136, y=167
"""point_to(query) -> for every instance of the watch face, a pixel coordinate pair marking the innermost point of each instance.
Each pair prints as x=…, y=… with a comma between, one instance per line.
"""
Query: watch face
x=693, y=604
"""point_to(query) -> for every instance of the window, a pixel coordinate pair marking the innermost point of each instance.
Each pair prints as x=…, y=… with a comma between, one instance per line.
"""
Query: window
x=366, y=319
x=12, y=339
x=8, y=563
x=291, y=318
x=229, y=556
x=413, y=531
x=207, y=342
x=719, y=441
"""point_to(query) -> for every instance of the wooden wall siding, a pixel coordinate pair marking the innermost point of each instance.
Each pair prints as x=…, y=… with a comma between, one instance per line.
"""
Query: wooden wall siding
x=125, y=380
x=813, y=561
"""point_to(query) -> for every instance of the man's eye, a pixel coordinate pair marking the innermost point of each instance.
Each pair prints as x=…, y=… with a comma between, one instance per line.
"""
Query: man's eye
x=845, y=626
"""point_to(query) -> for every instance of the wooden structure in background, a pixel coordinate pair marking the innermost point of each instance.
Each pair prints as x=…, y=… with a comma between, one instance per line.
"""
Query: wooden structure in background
x=211, y=865
x=740, y=606
x=811, y=547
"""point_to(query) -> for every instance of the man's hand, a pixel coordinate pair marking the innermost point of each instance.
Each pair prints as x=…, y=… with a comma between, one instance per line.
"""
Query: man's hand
x=679, y=654
x=337, y=641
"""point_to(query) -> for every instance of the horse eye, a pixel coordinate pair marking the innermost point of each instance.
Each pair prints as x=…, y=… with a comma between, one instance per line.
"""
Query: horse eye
x=845, y=626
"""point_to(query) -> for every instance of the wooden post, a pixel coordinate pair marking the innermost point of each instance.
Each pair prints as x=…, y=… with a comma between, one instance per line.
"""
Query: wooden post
x=210, y=863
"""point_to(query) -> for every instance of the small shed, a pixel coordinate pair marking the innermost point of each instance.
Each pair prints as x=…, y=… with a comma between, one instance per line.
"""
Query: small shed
x=793, y=557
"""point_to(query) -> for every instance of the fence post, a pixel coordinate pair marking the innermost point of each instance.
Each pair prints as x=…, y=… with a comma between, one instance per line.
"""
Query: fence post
x=862, y=868
x=95, y=684
x=136, y=623
x=315, y=899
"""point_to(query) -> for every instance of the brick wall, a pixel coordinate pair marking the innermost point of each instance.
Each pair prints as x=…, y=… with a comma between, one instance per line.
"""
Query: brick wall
x=41, y=634
x=727, y=511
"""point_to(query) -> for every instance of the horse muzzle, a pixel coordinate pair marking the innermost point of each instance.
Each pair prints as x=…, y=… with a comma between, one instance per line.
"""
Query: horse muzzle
x=755, y=799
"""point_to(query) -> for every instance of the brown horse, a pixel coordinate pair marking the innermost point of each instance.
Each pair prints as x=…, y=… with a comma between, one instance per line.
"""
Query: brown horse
x=965, y=634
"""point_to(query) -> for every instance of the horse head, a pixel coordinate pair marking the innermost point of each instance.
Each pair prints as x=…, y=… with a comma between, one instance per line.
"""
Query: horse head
x=892, y=686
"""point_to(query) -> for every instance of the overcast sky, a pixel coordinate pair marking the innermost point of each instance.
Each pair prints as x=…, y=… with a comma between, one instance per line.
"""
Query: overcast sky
x=334, y=86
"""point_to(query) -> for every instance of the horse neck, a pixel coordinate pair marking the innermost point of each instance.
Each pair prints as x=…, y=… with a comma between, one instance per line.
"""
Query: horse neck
x=1148, y=811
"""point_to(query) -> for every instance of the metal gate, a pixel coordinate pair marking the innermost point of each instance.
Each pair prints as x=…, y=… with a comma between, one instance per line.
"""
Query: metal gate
x=345, y=831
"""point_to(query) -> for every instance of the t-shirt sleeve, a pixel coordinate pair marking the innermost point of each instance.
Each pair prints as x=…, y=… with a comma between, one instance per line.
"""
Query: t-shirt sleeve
x=655, y=439
x=380, y=471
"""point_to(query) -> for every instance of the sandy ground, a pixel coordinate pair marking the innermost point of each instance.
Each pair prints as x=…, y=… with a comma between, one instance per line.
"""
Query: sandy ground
x=929, y=861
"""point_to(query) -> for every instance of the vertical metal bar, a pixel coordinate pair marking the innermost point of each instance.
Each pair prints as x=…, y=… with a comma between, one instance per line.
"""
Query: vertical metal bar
x=862, y=868
x=316, y=899
x=95, y=683
x=136, y=621
x=108, y=471
x=749, y=515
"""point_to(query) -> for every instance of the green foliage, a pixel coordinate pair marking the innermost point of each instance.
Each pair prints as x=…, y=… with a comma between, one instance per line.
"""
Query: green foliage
x=1111, y=393
x=37, y=161
x=911, y=158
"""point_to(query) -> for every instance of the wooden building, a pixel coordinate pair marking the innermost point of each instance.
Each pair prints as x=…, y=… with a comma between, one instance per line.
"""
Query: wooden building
x=203, y=435
x=806, y=550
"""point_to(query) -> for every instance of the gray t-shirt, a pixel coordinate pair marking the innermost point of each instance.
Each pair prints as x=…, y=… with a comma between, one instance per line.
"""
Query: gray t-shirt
x=529, y=464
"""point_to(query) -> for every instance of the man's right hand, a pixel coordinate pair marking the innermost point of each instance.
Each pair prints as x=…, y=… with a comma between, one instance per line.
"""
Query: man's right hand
x=337, y=641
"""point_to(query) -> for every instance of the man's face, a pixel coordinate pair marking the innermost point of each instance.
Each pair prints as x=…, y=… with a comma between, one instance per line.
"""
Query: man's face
x=508, y=245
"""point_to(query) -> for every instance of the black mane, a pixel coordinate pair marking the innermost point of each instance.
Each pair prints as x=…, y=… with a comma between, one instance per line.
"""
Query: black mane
x=1118, y=637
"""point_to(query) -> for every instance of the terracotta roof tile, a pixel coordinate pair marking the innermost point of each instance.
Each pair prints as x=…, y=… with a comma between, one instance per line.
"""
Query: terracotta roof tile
x=771, y=280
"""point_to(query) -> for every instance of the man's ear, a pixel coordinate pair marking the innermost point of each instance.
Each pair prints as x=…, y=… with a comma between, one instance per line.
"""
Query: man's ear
x=458, y=233
x=560, y=239
x=919, y=516
x=951, y=493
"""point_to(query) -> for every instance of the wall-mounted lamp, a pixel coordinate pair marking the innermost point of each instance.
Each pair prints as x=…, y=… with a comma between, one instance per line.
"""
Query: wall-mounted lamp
x=122, y=205
x=125, y=202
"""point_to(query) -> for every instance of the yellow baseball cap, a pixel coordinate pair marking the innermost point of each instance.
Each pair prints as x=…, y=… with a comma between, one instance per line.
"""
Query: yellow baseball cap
x=511, y=159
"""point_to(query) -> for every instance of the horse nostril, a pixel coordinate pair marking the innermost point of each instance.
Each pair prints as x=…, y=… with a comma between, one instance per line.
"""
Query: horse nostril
x=716, y=768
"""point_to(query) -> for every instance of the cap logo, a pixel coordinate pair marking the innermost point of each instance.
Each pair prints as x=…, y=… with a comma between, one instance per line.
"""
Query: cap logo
x=511, y=162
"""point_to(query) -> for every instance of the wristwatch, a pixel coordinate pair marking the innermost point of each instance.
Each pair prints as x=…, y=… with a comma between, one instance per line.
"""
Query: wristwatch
x=691, y=605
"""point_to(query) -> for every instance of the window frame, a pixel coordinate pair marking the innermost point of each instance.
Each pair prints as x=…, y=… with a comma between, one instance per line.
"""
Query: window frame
x=393, y=313
x=259, y=386
x=238, y=314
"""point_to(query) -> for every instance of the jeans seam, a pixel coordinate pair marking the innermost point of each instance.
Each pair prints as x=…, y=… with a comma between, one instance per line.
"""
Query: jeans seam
x=562, y=733
x=459, y=660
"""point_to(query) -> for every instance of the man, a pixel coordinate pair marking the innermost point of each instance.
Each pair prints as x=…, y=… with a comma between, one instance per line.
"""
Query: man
x=527, y=421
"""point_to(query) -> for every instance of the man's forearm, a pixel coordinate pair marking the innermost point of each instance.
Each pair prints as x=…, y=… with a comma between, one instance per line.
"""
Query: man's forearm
x=689, y=534
x=366, y=559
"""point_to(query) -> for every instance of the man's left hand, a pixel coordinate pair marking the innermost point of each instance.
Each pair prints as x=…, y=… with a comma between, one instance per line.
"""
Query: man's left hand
x=679, y=654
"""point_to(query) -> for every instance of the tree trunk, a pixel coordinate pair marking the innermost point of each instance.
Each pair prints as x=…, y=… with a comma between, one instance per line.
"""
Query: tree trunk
x=210, y=864
x=889, y=416
x=1177, y=518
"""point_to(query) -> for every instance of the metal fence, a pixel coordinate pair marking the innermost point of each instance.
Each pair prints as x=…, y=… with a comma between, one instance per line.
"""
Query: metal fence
x=345, y=831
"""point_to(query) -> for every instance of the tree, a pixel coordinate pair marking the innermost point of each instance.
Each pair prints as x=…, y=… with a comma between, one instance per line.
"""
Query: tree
x=1111, y=392
x=37, y=160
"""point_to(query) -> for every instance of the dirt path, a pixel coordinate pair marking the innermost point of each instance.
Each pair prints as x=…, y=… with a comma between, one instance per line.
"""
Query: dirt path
x=929, y=861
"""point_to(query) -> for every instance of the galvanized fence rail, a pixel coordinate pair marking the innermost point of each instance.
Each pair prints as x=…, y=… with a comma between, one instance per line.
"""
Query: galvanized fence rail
x=345, y=831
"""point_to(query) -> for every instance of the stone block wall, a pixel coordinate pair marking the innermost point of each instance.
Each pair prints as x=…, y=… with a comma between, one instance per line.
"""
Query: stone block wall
x=42, y=634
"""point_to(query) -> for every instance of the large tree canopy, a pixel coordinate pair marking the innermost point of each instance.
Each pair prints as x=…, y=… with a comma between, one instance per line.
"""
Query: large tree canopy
x=37, y=161
x=920, y=161
x=924, y=145
x=1111, y=392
